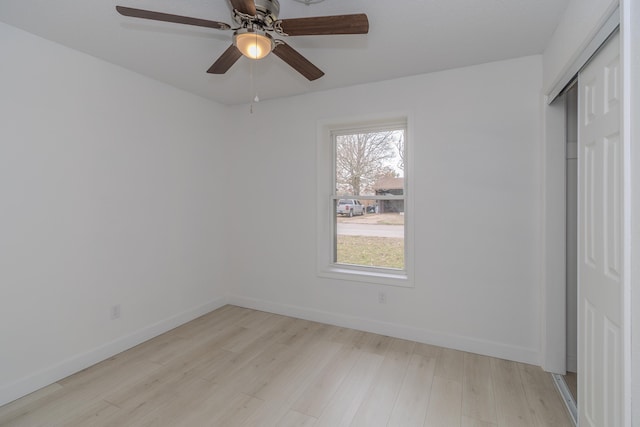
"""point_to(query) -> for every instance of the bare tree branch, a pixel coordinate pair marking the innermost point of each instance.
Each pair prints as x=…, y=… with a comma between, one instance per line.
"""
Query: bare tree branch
x=363, y=158
x=401, y=152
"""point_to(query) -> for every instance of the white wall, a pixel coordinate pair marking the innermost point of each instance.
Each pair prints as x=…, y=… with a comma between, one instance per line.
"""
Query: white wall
x=110, y=186
x=580, y=22
x=476, y=134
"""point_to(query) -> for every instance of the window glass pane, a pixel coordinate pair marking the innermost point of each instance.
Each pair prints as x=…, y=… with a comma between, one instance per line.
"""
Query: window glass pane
x=369, y=163
x=370, y=239
x=368, y=232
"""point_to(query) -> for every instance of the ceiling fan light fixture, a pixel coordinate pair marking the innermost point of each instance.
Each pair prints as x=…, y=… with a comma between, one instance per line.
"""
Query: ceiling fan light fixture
x=253, y=44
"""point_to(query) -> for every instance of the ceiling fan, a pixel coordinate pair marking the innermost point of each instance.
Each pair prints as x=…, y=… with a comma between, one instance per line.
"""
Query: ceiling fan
x=255, y=20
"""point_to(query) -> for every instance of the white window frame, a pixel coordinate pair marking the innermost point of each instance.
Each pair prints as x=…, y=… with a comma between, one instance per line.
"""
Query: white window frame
x=326, y=197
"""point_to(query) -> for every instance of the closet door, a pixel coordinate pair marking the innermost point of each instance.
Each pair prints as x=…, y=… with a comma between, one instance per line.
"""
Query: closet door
x=600, y=241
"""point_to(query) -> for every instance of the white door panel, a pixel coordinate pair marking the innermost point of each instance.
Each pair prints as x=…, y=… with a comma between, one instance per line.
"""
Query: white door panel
x=600, y=243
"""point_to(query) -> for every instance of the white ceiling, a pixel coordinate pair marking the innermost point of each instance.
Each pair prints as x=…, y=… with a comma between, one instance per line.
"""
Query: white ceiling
x=406, y=37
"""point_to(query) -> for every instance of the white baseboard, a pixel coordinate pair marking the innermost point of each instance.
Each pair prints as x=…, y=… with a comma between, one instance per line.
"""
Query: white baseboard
x=50, y=375
x=469, y=344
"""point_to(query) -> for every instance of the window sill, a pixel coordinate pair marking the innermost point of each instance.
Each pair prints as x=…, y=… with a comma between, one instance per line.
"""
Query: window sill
x=390, y=278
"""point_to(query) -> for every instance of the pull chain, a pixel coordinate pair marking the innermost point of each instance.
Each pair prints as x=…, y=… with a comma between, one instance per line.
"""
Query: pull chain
x=253, y=88
x=251, y=84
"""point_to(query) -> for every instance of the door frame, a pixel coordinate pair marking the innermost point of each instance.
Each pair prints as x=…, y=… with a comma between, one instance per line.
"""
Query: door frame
x=630, y=32
x=553, y=308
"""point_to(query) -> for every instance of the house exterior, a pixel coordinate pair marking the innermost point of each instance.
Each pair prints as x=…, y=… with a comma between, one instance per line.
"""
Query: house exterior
x=390, y=186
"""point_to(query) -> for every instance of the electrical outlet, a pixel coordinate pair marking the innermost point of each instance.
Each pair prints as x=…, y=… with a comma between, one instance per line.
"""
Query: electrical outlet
x=115, y=312
x=382, y=297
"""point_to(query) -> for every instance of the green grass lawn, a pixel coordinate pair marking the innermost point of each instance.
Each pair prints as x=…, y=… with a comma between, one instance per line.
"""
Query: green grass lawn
x=371, y=251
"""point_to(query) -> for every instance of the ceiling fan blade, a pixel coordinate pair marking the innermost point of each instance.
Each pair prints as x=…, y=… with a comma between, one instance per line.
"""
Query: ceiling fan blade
x=326, y=25
x=297, y=61
x=225, y=61
x=244, y=6
x=166, y=17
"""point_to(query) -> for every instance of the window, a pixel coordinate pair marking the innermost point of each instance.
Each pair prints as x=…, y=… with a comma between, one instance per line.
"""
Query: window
x=363, y=180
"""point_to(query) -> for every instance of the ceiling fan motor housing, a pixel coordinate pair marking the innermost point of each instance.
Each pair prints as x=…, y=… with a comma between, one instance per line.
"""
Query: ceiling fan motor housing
x=268, y=10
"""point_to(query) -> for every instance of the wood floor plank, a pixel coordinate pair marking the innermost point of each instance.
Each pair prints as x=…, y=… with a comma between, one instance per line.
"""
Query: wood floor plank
x=280, y=394
x=547, y=408
x=251, y=374
x=512, y=408
x=244, y=368
x=271, y=331
x=301, y=330
x=350, y=337
x=80, y=414
x=450, y=364
x=92, y=415
x=378, y=403
x=472, y=422
x=256, y=352
x=257, y=319
x=19, y=407
x=296, y=419
x=297, y=370
x=347, y=399
x=159, y=386
x=321, y=389
x=198, y=349
x=78, y=395
x=445, y=403
x=230, y=411
x=189, y=399
x=264, y=368
x=478, y=399
x=377, y=344
x=143, y=410
x=427, y=350
x=215, y=321
x=410, y=406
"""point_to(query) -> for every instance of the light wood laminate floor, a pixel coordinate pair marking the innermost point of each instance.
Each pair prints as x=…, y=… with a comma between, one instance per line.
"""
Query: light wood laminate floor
x=241, y=367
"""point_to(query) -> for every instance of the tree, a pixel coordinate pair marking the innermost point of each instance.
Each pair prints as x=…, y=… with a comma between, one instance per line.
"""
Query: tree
x=401, y=153
x=362, y=158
